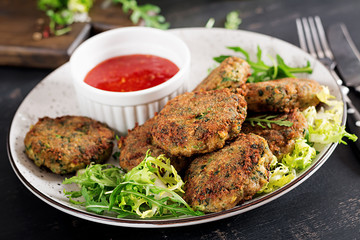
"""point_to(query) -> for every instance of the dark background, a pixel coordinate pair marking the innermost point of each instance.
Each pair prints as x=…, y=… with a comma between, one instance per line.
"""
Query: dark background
x=326, y=206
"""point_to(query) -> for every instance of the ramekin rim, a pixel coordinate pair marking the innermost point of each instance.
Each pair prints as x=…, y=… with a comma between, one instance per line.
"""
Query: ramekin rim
x=82, y=86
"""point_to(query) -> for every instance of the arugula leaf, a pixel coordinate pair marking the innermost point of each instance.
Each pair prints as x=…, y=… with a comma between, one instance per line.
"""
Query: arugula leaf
x=221, y=58
x=263, y=72
x=268, y=119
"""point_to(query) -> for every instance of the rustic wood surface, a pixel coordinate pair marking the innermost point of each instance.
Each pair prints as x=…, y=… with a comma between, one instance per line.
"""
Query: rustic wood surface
x=107, y=16
x=19, y=21
x=326, y=206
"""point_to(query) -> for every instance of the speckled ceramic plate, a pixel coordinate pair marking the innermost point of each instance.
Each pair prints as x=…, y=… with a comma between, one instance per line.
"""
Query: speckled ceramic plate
x=55, y=96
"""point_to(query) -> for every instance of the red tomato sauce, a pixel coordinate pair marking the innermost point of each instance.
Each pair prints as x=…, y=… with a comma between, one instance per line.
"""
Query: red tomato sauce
x=131, y=73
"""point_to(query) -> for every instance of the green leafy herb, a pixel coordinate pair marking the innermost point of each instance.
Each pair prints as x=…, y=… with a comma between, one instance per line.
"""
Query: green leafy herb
x=268, y=119
x=210, y=23
x=61, y=13
x=232, y=20
x=152, y=189
x=148, y=12
x=263, y=72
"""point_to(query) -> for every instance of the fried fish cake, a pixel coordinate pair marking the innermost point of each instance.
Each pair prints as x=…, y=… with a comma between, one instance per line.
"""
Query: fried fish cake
x=281, y=139
x=282, y=95
x=231, y=73
x=199, y=122
x=220, y=180
x=134, y=146
x=66, y=144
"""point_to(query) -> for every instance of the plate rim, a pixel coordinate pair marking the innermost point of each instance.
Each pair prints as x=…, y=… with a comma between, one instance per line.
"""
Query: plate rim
x=175, y=222
x=139, y=223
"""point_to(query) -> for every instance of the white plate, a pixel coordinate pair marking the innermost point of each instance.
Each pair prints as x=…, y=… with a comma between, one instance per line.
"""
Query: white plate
x=54, y=96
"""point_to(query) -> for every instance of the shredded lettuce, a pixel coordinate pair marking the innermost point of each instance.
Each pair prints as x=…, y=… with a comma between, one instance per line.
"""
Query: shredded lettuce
x=324, y=128
x=325, y=124
x=280, y=175
x=152, y=189
x=301, y=157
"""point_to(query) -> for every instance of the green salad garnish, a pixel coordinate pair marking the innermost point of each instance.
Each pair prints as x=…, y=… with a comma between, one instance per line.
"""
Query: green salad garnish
x=267, y=120
x=263, y=72
x=324, y=128
x=152, y=189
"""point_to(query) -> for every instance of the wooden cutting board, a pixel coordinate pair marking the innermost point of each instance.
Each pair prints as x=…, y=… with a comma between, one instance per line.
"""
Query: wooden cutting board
x=19, y=21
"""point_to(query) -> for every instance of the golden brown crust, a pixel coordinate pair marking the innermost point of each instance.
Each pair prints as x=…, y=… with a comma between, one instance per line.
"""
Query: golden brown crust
x=282, y=95
x=281, y=139
x=199, y=122
x=231, y=73
x=134, y=146
x=220, y=180
x=66, y=144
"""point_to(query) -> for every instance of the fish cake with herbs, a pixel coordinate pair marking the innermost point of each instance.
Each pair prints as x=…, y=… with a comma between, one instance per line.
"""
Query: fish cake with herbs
x=231, y=73
x=66, y=144
x=199, y=122
x=220, y=180
x=134, y=146
x=281, y=138
x=282, y=95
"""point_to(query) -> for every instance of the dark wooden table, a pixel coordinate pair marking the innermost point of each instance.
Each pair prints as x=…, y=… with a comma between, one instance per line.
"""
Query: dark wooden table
x=326, y=206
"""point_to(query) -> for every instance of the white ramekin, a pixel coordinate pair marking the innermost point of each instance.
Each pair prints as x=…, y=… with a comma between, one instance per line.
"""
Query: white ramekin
x=121, y=110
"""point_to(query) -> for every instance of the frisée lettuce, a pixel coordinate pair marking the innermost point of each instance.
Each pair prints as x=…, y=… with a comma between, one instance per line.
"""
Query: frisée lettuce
x=152, y=189
x=325, y=124
x=324, y=127
x=301, y=157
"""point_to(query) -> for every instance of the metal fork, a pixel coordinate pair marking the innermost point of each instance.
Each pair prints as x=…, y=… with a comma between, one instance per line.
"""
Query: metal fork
x=312, y=39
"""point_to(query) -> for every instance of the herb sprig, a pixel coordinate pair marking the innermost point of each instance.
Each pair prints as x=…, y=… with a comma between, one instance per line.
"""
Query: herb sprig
x=263, y=72
x=148, y=12
x=62, y=13
x=268, y=120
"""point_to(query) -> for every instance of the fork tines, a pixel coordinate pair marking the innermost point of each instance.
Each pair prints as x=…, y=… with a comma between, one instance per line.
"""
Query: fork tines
x=312, y=37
